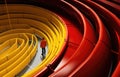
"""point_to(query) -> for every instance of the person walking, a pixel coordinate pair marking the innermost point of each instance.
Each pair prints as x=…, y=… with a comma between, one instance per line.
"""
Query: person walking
x=43, y=45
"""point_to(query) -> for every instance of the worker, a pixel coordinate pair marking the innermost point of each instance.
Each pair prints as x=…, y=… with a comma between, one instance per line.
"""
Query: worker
x=43, y=45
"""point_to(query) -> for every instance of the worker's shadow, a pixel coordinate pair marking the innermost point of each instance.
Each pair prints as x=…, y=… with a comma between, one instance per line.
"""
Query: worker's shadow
x=43, y=57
